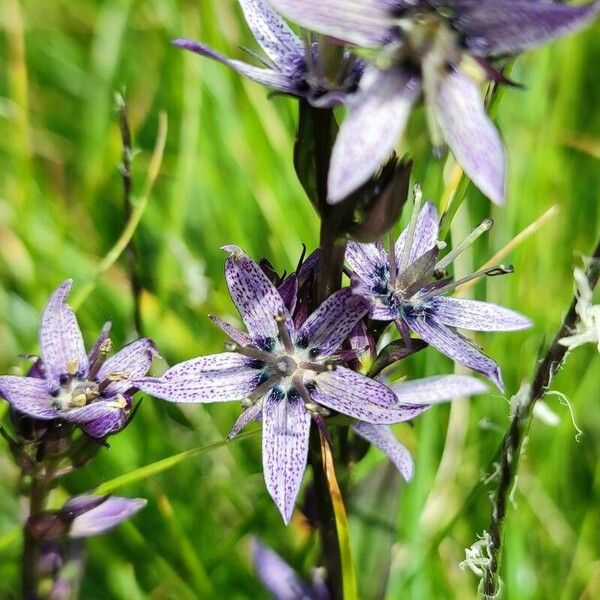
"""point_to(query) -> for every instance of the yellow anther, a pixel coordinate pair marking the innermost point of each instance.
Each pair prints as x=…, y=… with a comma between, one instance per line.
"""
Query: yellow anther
x=78, y=401
x=106, y=346
x=119, y=402
x=119, y=375
x=72, y=366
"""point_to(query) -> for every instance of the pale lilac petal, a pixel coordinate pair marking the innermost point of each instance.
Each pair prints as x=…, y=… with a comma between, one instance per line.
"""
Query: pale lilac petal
x=383, y=438
x=471, y=135
x=362, y=22
x=94, y=353
x=476, y=315
x=433, y=390
x=241, y=338
x=28, y=395
x=255, y=296
x=277, y=576
x=426, y=234
x=511, y=26
x=286, y=427
x=355, y=395
x=278, y=41
x=454, y=345
x=367, y=136
x=93, y=518
x=105, y=412
x=269, y=77
x=214, y=378
x=60, y=337
x=327, y=327
x=108, y=422
x=368, y=261
x=249, y=414
x=134, y=359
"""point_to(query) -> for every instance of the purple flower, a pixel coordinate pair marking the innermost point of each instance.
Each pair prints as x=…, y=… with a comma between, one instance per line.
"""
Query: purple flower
x=285, y=373
x=436, y=48
x=91, y=391
x=404, y=286
x=281, y=580
x=93, y=515
x=290, y=66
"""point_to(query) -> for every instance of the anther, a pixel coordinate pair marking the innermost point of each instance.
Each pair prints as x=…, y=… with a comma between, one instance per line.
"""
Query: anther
x=72, y=367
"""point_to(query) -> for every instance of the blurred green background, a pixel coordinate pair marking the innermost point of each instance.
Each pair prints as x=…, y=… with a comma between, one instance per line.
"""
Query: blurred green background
x=227, y=178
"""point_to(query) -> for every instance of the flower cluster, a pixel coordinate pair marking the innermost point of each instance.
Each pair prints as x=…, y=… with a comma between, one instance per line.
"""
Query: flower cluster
x=441, y=50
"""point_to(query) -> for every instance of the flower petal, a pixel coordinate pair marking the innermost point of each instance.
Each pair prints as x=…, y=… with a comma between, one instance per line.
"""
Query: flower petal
x=454, y=345
x=60, y=336
x=273, y=79
x=362, y=22
x=426, y=234
x=134, y=359
x=278, y=41
x=476, y=315
x=355, y=395
x=471, y=135
x=369, y=262
x=109, y=422
x=432, y=390
x=383, y=437
x=255, y=296
x=329, y=325
x=28, y=395
x=214, y=378
x=102, y=516
x=367, y=136
x=511, y=26
x=277, y=576
x=286, y=427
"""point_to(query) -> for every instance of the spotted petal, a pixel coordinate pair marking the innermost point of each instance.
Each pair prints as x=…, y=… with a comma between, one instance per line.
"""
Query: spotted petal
x=355, y=395
x=476, y=315
x=471, y=135
x=454, y=345
x=93, y=515
x=269, y=77
x=329, y=325
x=255, y=296
x=28, y=395
x=286, y=427
x=367, y=136
x=511, y=26
x=60, y=337
x=362, y=22
x=134, y=360
x=426, y=234
x=383, y=438
x=278, y=41
x=94, y=353
x=369, y=262
x=213, y=378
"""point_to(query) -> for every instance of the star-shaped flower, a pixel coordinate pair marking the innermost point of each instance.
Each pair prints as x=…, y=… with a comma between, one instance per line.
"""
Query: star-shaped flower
x=438, y=49
x=88, y=390
x=402, y=287
x=285, y=372
x=290, y=67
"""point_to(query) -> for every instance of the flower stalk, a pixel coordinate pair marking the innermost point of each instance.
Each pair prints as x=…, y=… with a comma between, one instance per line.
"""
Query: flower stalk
x=513, y=440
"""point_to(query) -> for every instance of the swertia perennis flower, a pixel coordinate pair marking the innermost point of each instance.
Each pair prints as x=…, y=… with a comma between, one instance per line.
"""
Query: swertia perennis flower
x=439, y=48
x=89, y=391
x=286, y=371
x=402, y=287
x=291, y=67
